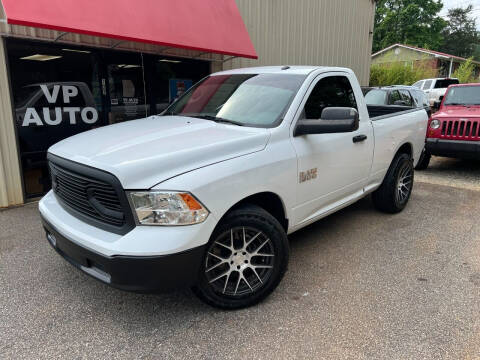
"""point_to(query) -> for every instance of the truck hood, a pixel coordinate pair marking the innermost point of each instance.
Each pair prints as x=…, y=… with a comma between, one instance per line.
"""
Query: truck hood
x=143, y=153
x=454, y=111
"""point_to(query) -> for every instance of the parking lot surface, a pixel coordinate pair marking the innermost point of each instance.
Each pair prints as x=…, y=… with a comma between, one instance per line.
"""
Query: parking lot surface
x=360, y=285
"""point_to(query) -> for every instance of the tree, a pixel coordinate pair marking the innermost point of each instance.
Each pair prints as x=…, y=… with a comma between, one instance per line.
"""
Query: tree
x=460, y=35
x=476, y=52
x=412, y=22
x=465, y=72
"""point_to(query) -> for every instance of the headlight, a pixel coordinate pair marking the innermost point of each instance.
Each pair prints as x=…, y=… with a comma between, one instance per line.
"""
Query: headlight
x=435, y=124
x=167, y=208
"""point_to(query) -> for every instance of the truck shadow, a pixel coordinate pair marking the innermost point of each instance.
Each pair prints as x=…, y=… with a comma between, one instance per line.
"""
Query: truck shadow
x=450, y=164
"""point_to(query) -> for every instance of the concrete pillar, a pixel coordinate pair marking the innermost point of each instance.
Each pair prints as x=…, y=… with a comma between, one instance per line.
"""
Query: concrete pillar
x=10, y=178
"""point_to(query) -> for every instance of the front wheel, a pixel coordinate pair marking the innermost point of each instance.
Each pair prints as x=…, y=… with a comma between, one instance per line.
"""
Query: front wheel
x=393, y=195
x=245, y=259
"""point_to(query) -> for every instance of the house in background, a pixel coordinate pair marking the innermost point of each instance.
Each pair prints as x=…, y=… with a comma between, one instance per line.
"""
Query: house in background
x=411, y=55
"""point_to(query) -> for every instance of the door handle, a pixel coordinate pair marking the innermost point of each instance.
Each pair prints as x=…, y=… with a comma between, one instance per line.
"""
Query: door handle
x=359, y=138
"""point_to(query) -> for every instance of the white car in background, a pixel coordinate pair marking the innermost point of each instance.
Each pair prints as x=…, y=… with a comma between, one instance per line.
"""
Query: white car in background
x=435, y=88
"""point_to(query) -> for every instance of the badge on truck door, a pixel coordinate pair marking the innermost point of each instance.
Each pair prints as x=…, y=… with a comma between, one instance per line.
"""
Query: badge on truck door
x=308, y=175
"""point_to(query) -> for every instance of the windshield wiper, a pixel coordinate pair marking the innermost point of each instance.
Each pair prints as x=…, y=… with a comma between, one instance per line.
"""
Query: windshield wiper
x=455, y=104
x=218, y=119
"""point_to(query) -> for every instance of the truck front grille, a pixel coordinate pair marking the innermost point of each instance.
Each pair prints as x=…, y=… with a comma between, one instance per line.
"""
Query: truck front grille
x=93, y=195
x=461, y=129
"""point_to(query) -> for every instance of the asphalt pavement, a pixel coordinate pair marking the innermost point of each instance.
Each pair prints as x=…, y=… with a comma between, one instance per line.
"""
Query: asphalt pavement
x=360, y=285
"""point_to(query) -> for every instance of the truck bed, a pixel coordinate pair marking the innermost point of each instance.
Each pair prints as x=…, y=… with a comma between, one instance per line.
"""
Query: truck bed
x=380, y=111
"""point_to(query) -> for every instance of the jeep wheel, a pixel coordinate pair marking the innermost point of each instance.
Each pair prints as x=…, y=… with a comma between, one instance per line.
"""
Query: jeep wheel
x=393, y=195
x=245, y=259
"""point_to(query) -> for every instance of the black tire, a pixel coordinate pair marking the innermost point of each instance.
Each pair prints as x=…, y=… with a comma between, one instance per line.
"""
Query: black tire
x=262, y=272
x=388, y=197
x=424, y=160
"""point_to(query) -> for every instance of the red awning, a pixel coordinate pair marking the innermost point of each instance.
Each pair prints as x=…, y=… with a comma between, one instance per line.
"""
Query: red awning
x=205, y=25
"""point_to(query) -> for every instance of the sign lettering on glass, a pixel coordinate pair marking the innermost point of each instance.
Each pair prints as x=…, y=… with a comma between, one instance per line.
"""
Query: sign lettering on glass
x=56, y=115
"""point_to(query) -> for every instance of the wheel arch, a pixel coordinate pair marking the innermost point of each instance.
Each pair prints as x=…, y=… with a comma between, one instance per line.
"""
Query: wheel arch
x=270, y=202
x=405, y=148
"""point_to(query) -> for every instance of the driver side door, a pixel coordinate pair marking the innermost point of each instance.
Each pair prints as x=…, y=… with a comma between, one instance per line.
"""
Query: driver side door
x=333, y=167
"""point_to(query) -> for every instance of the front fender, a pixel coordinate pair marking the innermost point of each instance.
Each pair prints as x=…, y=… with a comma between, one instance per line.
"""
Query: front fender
x=220, y=186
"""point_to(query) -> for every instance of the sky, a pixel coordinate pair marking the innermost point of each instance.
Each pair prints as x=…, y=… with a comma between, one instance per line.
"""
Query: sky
x=448, y=4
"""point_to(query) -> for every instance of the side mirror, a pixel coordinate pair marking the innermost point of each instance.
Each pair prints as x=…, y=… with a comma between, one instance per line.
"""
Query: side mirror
x=333, y=120
x=436, y=105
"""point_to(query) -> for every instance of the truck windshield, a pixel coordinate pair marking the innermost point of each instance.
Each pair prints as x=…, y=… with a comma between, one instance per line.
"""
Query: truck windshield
x=465, y=95
x=258, y=100
x=440, y=84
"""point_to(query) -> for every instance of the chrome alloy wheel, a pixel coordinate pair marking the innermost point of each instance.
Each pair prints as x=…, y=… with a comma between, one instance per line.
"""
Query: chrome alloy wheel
x=239, y=261
x=404, y=183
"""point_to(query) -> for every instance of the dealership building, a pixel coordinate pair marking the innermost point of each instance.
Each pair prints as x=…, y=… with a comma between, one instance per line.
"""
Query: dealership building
x=67, y=66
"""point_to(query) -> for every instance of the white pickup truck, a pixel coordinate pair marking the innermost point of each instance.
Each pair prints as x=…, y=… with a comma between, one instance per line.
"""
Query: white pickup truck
x=205, y=194
x=435, y=88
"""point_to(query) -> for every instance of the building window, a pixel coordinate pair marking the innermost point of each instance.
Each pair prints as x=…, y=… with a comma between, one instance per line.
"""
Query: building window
x=61, y=90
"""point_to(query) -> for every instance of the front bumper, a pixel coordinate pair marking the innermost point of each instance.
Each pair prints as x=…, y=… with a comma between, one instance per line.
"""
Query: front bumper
x=133, y=273
x=147, y=258
x=454, y=148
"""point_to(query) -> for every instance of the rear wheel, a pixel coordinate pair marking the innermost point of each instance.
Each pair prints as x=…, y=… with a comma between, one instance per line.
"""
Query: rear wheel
x=245, y=259
x=393, y=195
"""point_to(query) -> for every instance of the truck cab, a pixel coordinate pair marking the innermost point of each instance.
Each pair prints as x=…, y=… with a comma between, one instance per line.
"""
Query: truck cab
x=454, y=130
x=435, y=88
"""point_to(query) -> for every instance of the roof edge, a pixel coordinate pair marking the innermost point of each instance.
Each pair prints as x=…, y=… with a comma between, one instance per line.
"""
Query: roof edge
x=426, y=51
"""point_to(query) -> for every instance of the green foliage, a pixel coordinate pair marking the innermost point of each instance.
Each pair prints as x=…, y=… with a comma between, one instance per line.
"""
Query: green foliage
x=399, y=73
x=460, y=35
x=465, y=72
x=476, y=52
x=412, y=22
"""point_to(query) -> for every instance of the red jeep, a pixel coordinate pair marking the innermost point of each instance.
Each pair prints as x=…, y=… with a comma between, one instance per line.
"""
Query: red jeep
x=454, y=130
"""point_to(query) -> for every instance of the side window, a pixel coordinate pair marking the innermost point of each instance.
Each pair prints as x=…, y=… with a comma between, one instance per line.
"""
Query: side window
x=427, y=85
x=418, y=84
x=394, y=96
x=406, y=97
x=425, y=100
x=332, y=91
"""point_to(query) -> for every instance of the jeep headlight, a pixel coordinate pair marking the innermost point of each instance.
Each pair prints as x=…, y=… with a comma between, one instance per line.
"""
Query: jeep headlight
x=435, y=124
x=167, y=208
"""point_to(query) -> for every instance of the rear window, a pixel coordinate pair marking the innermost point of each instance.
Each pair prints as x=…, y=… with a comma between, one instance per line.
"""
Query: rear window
x=376, y=97
x=421, y=99
x=440, y=84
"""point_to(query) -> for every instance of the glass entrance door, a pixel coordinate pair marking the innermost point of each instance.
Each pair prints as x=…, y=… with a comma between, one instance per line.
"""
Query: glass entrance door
x=60, y=90
x=126, y=88
x=56, y=94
